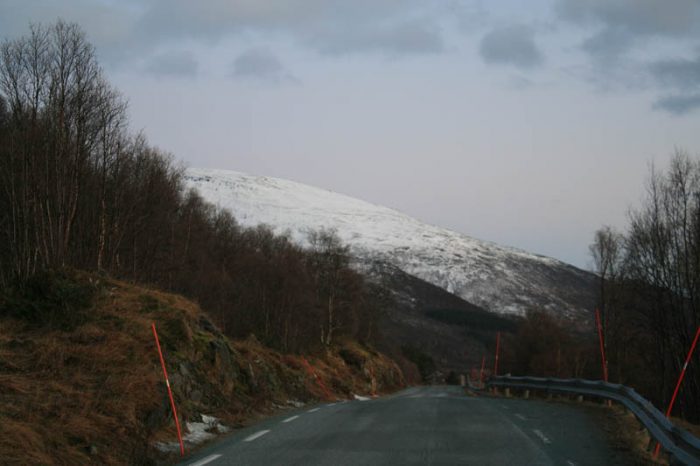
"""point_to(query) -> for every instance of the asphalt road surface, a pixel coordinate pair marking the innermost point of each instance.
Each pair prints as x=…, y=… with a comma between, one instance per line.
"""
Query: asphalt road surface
x=422, y=425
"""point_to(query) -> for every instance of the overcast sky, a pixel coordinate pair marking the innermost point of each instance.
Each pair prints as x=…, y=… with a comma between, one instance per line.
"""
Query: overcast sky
x=530, y=124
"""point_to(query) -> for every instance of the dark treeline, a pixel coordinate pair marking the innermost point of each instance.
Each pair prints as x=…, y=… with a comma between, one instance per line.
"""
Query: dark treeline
x=78, y=190
x=650, y=288
x=544, y=345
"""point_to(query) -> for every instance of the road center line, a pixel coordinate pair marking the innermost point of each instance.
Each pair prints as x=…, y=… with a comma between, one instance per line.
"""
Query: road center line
x=313, y=410
x=520, y=416
x=206, y=460
x=290, y=419
x=255, y=436
x=542, y=437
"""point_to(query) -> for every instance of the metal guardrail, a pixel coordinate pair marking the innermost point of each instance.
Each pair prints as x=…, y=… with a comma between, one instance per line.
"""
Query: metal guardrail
x=683, y=447
x=472, y=386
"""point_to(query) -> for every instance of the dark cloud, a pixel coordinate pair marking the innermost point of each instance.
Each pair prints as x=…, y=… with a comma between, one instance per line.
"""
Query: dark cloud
x=678, y=104
x=620, y=23
x=683, y=74
x=619, y=26
x=513, y=45
x=104, y=22
x=640, y=17
x=607, y=45
x=411, y=37
x=108, y=24
x=129, y=29
x=179, y=63
x=261, y=64
x=330, y=26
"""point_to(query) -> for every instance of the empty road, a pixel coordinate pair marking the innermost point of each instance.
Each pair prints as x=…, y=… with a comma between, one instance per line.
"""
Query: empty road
x=421, y=425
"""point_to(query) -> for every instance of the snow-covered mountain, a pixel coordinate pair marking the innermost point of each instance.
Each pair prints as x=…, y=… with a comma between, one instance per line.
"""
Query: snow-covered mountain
x=497, y=278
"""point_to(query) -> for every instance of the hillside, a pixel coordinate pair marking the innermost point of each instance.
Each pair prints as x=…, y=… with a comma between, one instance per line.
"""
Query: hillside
x=425, y=318
x=80, y=379
x=496, y=278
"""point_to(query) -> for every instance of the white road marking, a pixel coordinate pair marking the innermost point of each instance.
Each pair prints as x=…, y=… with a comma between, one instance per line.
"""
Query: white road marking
x=313, y=410
x=255, y=436
x=332, y=404
x=290, y=419
x=416, y=396
x=504, y=407
x=520, y=416
x=570, y=463
x=206, y=460
x=542, y=437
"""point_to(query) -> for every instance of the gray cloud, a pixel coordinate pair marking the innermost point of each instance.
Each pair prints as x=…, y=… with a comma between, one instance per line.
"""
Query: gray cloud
x=620, y=26
x=131, y=29
x=108, y=25
x=409, y=37
x=260, y=64
x=682, y=74
x=608, y=44
x=678, y=104
x=513, y=45
x=643, y=17
x=331, y=26
x=178, y=63
x=620, y=22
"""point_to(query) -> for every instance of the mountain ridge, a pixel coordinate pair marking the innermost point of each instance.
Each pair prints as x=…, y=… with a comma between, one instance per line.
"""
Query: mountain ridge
x=501, y=279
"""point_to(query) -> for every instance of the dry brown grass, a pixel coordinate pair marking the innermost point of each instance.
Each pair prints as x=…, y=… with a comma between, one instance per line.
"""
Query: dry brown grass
x=94, y=394
x=81, y=396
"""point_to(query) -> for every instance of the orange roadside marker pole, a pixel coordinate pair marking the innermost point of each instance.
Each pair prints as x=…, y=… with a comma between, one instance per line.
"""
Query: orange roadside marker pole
x=678, y=384
x=170, y=392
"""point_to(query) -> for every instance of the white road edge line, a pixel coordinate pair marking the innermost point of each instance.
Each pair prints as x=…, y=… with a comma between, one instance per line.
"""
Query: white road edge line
x=256, y=435
x=290, y=419
x=542, y=437
x=520, y=416
x=313, y=410
x=570, y=463
x=206, y=460
x=332, y=404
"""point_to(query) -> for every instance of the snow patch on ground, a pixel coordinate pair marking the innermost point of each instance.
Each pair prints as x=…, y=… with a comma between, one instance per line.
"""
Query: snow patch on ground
x=361, y=398
x=196, y=433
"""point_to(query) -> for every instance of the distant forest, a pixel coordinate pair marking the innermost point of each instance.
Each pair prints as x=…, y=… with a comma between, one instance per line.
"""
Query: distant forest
x=78, y=190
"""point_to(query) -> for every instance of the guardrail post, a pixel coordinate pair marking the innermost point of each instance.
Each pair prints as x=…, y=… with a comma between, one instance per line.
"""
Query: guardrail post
x=507, y=392
x=526, y=394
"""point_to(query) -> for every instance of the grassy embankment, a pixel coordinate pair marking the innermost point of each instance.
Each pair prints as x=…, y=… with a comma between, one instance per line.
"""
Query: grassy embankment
x=80, y=379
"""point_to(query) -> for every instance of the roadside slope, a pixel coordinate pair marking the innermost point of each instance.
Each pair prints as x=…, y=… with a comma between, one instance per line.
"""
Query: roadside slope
x=88, y=388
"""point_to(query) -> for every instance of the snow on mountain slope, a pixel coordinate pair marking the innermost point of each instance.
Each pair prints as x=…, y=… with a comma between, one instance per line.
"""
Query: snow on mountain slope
x=500, y=279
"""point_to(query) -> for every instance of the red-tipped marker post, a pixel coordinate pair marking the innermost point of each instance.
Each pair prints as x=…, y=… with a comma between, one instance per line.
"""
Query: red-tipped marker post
x=318, y=379
x=481, y=372
x=498, y=347
x=678, y=384
x=604, y=361
x=170, y=392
